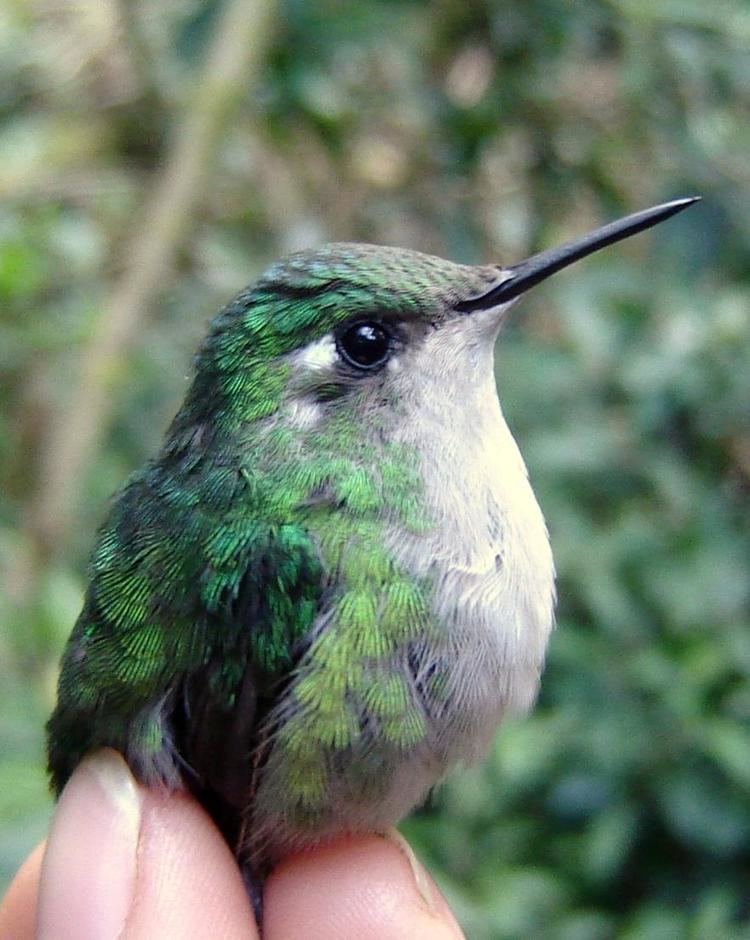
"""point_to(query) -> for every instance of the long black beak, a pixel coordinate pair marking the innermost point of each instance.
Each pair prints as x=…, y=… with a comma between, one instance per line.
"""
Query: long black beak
x=538, y=267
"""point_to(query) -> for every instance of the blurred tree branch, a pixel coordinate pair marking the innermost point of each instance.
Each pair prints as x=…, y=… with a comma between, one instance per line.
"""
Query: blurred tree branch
x=231, y=64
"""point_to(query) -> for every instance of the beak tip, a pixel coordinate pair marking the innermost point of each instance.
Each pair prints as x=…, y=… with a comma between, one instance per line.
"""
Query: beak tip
x=683, y=202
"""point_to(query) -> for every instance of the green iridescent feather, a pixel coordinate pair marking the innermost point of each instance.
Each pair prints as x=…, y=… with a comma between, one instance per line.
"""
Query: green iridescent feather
x=219, y=557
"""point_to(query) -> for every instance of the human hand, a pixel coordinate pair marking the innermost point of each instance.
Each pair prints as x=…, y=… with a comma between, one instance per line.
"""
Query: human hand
x=134, y=863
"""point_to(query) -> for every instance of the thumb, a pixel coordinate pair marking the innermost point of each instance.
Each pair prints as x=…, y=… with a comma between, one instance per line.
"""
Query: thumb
x=130, y=862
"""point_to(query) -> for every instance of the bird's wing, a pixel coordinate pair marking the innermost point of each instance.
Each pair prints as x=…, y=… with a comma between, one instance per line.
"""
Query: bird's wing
x=195, y=610
x=261, y=601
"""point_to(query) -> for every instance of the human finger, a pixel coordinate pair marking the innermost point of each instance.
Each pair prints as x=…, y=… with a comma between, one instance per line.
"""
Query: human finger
x=360, y=888
x=133, y=862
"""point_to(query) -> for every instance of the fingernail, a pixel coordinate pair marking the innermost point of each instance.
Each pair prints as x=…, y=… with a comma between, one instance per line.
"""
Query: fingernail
x=422, y=881
x=442, y=921
x=89, y=868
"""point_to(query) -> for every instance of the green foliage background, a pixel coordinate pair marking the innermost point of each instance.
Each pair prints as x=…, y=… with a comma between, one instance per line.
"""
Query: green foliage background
x=480, y=131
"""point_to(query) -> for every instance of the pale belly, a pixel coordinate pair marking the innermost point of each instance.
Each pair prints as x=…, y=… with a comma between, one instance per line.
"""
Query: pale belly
x=492, y=606
x=486, y=562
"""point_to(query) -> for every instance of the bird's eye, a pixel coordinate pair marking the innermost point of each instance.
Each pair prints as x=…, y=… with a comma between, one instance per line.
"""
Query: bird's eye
x=365, y=345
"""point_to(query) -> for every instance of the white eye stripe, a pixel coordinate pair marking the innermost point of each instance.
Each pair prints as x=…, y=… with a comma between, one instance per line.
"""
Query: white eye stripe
x=320, y=355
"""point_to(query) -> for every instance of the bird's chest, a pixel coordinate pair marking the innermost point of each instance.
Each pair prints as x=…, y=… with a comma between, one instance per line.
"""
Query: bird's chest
x=435, y=626
x=487, y=561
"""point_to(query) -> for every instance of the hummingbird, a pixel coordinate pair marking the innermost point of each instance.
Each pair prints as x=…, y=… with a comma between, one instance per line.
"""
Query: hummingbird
x=334, y=580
